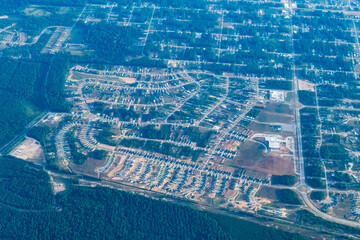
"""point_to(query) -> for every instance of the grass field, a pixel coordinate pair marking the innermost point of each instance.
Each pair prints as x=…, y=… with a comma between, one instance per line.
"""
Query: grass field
x=267, y=116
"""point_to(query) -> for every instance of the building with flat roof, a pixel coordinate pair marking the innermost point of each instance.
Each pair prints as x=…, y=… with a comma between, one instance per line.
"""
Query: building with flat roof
x=274, y=143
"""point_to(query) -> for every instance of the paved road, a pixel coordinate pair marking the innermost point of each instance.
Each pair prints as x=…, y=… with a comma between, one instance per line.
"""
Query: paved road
x=225, y=132
x=324, y=215
x=221, y=100
x=4, y=148
x=148, y=31
x=302, y=188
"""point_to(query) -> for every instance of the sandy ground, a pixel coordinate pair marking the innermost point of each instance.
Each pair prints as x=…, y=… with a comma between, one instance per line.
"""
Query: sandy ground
x=232, y=145
x=272, y=163
x=128, y=80
x=58, y=187
x=241, y=204
x=275, y=165
x=29, y=149
x=63, y=10
x=306, y=86
x=36, y=12
x=230, y=193
x=107, y=147
x=79, y=76
x=120, y=165
x=69, y=77
x=212, y=195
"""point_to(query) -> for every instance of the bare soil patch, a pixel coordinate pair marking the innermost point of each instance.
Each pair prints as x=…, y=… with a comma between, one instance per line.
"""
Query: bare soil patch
x=279, y=108
x=29, y=149
x=306, y=86
x=266, y=192
x=88, y=166
x=118, y=165
x=252, y=156
x=275, y=117
x=36, y=12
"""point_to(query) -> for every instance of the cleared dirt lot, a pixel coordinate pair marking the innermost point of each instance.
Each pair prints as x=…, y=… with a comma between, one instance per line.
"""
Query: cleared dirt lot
x=81, y=76
x=275, y=117
x=30, y=150
x=36, y=12
x=252, y=156
x=306, y=86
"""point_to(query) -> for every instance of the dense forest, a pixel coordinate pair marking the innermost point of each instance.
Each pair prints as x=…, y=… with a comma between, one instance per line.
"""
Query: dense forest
x=39, y=133
x=55, y=84
x=73, y=3
x=111, y=43
x=19, y=100
x=307, y=218
x=287, y=196
x=28, y=88
x=287, y=180
x=29, y=210
x=10, y=5
x=14, y=4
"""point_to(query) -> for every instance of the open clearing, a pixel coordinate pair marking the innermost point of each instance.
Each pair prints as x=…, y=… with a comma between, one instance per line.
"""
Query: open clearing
x=36, y=12
x=251, y=156
x=81, y=76
x=306, y=86
x=29, y=149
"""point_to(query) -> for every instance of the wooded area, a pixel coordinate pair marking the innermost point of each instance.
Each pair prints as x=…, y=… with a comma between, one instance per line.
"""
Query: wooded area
x=29, y=210
x=28, y=88
x=111, y=43
x=19, y=100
